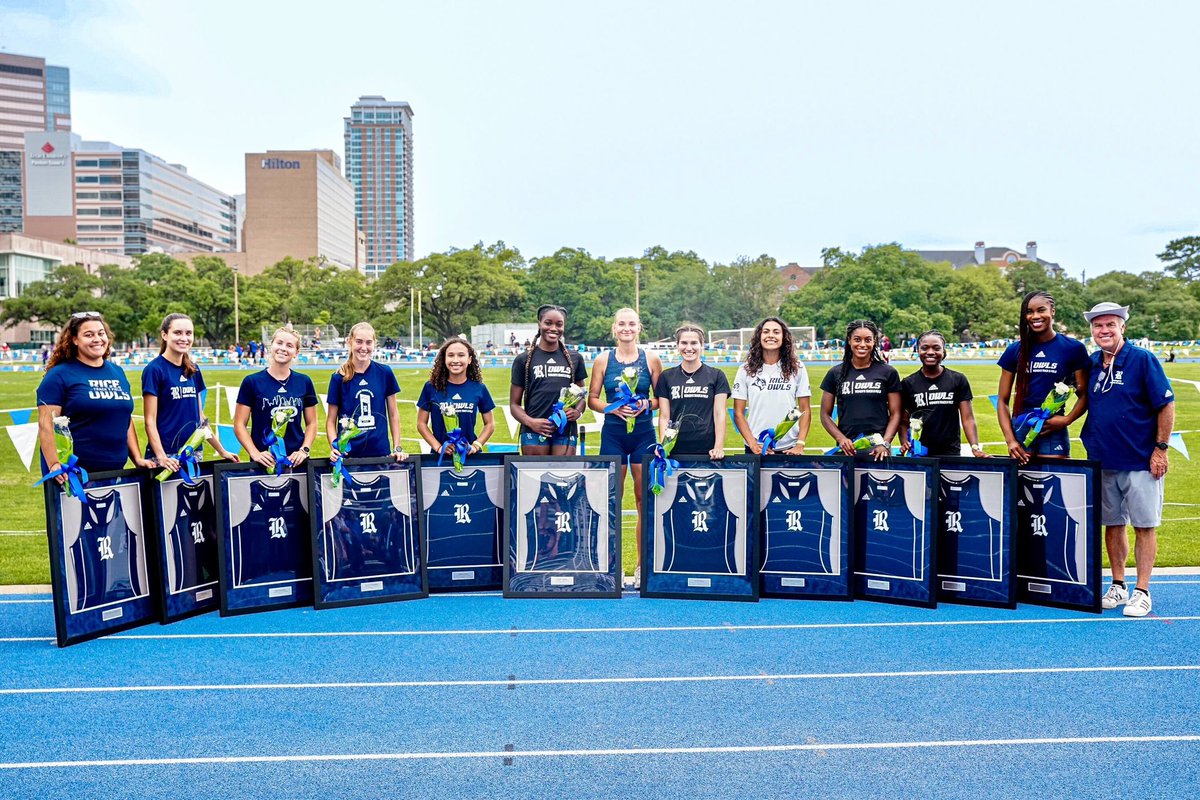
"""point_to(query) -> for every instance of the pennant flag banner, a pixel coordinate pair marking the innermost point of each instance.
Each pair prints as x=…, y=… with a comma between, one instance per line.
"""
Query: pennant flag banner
x=995, y=398
x=231, y=393
x=203, y=397
x=21, y=416
x=228, y=438
x=510, y=420
x=324, y=405
x=1176, y=441
x=24, y=438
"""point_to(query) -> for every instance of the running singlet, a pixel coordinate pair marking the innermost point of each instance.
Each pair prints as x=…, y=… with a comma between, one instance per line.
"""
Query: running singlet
x=462, y=523
x=798, y=528
x=270, y=541
x=105, y=554
x=1046, y=548
x=969, y=538
x=891, y=545
x=699, y=529
x=562, y=527
x=193, y=537
x=368, y=537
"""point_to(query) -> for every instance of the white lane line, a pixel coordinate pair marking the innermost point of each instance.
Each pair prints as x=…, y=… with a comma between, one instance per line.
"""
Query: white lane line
x=16, y=602
x=622, y=751
x=639, y=629
x=799, y=676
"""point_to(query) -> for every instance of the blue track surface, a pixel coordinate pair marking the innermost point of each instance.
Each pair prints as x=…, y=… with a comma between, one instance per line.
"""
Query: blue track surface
x=781, y=699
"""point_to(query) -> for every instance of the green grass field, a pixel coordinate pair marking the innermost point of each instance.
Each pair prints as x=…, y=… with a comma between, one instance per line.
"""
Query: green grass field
x=23, y=550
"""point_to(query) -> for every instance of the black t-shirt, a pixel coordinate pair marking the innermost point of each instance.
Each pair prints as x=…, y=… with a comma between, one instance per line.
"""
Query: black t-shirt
x=549, y=373
x=862, y=397
x=691, y=398
x=935, y=402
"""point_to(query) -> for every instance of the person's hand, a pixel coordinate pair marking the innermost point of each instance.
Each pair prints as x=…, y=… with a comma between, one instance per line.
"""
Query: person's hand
x=845, y=445
x=625, y=412
x=573, y=413
x=166, y=462
x=1055, y=423
x=717, y=453
x=755, y=448
x=475, y=447
x=980, y=454
x=297, y=458
x=795, y=450
x=400, y=456
x=545, y=427
x=1158, y=463
x=1018, y=452
x=228, y=456
x=265, y=458
x=905, y=447
x=880, y=451
x=59, y=479
x=335, y=455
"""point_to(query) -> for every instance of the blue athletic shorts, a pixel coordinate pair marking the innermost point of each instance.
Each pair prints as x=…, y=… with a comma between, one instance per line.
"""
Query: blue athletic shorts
x=1053, y=443
x=615, y=441
x=537, y=440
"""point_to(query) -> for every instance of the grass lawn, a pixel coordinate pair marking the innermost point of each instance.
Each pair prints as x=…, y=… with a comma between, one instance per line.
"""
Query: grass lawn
x=23, y=550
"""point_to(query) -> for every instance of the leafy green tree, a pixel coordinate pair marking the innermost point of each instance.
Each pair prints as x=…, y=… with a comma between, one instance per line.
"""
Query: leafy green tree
x=591, y=290
x=1182, y=257
x=68, y=288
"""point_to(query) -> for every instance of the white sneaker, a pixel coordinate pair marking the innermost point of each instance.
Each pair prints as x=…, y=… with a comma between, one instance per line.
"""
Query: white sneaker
x=1139, y=604
x=637, y=577
x=1116, y=595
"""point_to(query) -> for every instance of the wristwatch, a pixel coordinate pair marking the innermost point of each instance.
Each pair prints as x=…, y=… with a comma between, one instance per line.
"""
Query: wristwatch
x=976, y=448
x=1161, y=445
x=305, y=449
x=398, y=450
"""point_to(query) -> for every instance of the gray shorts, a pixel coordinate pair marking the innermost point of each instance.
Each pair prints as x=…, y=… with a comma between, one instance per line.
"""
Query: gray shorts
x=1130, y=497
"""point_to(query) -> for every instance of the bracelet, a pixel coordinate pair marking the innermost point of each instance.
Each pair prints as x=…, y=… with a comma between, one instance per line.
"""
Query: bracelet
x=976, y=448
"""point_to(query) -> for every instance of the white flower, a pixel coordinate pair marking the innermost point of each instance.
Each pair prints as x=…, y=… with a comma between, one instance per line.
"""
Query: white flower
x=915, y=426
x=62, y=424
x=629, y=374
x=671, y=432
x=1061, y=388
x=794, y=415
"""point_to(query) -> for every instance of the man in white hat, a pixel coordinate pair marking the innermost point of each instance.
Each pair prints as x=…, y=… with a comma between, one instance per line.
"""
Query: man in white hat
x=1131, y=410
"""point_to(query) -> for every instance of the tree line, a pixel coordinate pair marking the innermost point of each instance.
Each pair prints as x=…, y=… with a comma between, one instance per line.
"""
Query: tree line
x=495, y=283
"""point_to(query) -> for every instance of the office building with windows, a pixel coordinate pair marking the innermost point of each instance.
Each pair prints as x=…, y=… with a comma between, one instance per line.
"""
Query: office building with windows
x=379, y=159
x=33, y=97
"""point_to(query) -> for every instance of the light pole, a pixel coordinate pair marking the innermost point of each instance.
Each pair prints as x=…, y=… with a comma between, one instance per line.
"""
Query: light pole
x=237, y=321
x=412, y=317
x=637, y=288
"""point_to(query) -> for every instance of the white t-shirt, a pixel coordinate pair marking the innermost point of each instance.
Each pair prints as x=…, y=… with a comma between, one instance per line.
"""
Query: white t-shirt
x=769, y=397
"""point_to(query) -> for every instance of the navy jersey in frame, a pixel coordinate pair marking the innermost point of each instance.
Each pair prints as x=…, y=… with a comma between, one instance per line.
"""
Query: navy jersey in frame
x=366, y=537
x=976, y=523
x=187, y=550
x=1058, y=534
x=895, y=531
x=700, y=534
x=804, y=518
x=463, y=524
x=562, y=527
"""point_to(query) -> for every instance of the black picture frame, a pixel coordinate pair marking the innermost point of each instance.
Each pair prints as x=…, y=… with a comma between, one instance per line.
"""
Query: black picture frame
x=75, y=555
x=449, y=568
x=976, y=541
x=404, y=579
x=288, y=558
x=662, y=573
x=185, y=556
x=596, y=477
x=884, y=570
x=821, y=573
x=1082, y=590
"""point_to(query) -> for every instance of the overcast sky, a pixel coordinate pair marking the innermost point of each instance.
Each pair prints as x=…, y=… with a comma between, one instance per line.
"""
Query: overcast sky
x=725, y=128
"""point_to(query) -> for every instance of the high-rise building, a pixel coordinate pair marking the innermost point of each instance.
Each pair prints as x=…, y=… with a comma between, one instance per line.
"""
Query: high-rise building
x=121, y=200
x=299, y=205
x=379, y=157
x=33, y=97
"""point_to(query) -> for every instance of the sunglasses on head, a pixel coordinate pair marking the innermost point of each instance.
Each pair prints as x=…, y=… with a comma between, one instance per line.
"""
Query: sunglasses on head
x=86, y=315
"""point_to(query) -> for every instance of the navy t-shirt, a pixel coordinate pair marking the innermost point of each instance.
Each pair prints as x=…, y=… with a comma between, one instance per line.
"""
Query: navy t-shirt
x=470, y=399
x=178, y=402
x=1123, y=404
x=862, y=397
x=99, y=405
x=1049, y=363
x=263, y=393
x=364, y=398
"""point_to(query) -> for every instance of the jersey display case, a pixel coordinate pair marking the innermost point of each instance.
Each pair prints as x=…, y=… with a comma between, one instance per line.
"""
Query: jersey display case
x=184, y=527
x=462, y=515
x=895, y=530
x=977, y=519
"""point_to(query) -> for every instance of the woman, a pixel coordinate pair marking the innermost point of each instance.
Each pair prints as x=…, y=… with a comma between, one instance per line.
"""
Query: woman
x=171, y=387
x=772, y=382
x=867, y=392
x=693, y=395
x=93, y=393
x=1031, y=366
x=365, y=391
x=456, y=378
x=277, y=386
x=939, y=398
x=538, y=377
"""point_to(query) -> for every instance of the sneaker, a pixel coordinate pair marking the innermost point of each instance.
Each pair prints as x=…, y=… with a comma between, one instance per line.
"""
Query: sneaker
x=637, y=577
x=1139, y=605
x=1115, y=596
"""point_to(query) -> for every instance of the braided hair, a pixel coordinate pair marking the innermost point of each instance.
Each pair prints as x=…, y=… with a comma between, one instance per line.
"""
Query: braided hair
x=439, y=374
x=848, y=354
x=542, y=311
x=1028, y=343
x=789, y=365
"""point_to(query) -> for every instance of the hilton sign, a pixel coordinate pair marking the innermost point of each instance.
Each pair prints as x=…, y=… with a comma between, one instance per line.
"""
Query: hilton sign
x=279, y=163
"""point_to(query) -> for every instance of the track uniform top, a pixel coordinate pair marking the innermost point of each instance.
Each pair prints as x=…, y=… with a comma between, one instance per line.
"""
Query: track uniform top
x=270, y=544
x=562, y=528
x=769, y=397
x=105, y=555
x=99, y=405
x=891, y=544
x=612, y=378
x=936, y=401
x=691, y=397
x=368, y=537
x=699, y=529
x=462, y=525
x=178, y=402
x=193, y=537
x=1049, y=363
x=363, y=398
x=862, y=397
x=969, y=543
x=1047, y=531
x=549, y=373
x=798, y=528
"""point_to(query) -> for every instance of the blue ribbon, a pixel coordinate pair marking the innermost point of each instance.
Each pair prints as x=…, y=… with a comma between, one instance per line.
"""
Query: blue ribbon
x=767, y=440
x=625, y=398
x=661, y=468
x=77, y=478
x=558, y=415
x=1030, y=421
x=341, y=471
x=277, y=448
x=189, y=464
x=461, y=446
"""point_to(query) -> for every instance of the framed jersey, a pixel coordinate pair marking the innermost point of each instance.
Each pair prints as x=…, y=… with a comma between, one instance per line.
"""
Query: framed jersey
x=804, y=516
x=365, y=534
x=265, y=561
x=462, y=523
x=895, y=530
x=184, y=529
x=1058, y=534
x=101, y=572
x=976, y=522
x=700, y=534
x=562, y=527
